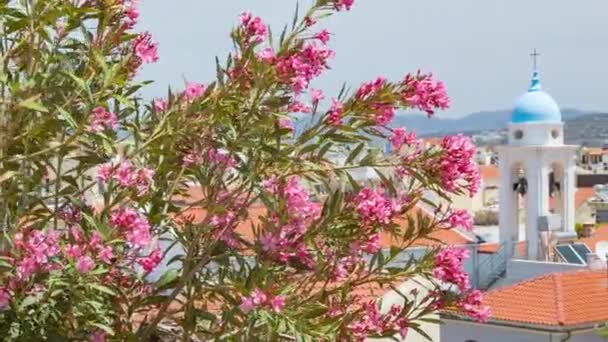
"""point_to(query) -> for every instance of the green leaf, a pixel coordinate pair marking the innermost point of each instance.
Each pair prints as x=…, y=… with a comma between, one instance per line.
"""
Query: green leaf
x=33, y=103
x=354, y=154
x=27, y=301
x=101, y=288
x=167, y=278
x=7, y=175
x=104, y=327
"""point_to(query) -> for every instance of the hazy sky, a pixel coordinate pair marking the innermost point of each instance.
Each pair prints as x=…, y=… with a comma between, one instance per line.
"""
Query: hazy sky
x=479, y=48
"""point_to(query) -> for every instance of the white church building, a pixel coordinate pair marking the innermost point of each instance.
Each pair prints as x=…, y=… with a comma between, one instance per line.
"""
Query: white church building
x=532, y=297
x=536, y=162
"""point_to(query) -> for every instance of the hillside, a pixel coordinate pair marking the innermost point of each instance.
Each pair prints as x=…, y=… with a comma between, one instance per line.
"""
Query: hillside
x=475, y=122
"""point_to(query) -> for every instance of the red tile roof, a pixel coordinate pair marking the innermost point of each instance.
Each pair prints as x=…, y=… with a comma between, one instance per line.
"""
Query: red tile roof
x=492, y=248
x=558, y=299
x=436, y=238
x=488, y=171
x=580, y=197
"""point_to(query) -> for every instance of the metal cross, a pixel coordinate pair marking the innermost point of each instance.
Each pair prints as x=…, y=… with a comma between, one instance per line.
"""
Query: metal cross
x=535, y=55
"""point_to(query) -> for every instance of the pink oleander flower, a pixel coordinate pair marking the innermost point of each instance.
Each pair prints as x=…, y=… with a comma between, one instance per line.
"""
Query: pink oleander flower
x=105, y=255
x=423, y=93
x=98, y=336
x=246, y=304
x=472, y=305
x=100, y=119
x=144, y=49
x=373, y=207
x=457, y=164
x=95, y=242
x=73, y=251
x=193, y=91
x=298, y=69
x=383, y=113
x=85, y=264
x=400, y=138
x=220, y=158
x=336, y=110
x=267, y=55
x=160, y=105
x=133, y=226
x=259, y=297
x=131, y=12
x=448, y=267
x=343, y=4
x=37, y=249
x=372, y=245
x=124, y=174
x=460, y=218
x=253, y=28
x=298, y=107
x=316, y=95
x=277, y=303
x=322, y=36
x=5, y=297
x=285, y=123
x=370, y=88
x=104, y=173
x=192, y=158
x=150, y=262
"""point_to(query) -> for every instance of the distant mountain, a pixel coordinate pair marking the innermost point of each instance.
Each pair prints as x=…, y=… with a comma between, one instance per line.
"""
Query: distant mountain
x=475, y=122
x=588, y=130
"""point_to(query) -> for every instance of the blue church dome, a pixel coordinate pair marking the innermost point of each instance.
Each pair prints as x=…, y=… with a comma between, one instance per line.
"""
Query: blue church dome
x=536, y=105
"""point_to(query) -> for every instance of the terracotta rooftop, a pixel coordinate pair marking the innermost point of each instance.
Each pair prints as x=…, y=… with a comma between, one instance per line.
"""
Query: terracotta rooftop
x=598, y=151
x=488, y=171
x=558, y=299
x=580, y=197
x=436, y=238
x=492, y=248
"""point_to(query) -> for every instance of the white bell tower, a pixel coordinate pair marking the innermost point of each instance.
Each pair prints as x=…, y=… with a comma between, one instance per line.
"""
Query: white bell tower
x=536, y=165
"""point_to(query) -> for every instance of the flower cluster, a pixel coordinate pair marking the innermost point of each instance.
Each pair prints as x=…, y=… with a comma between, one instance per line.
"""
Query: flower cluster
x=127, y=176
x=283, y=241
x=375, y=323
x=448, y=268
x=343, y=4
x=134, y=227
x=472, y=305
x=334, y=116
x=193, y=91
x=253, y=28
x=371, y=88
x=302, y=66
x=101, y=119
x=374, y=207
x=35, y=249
x=144, y=49
x=460, y=218
x=130, y=12
x=421, y=92
x=400, y=137
x=457, y=163
x=258, y=299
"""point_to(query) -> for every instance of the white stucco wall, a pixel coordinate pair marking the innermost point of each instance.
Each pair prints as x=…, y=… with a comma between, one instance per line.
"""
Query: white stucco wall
x=455, y=331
